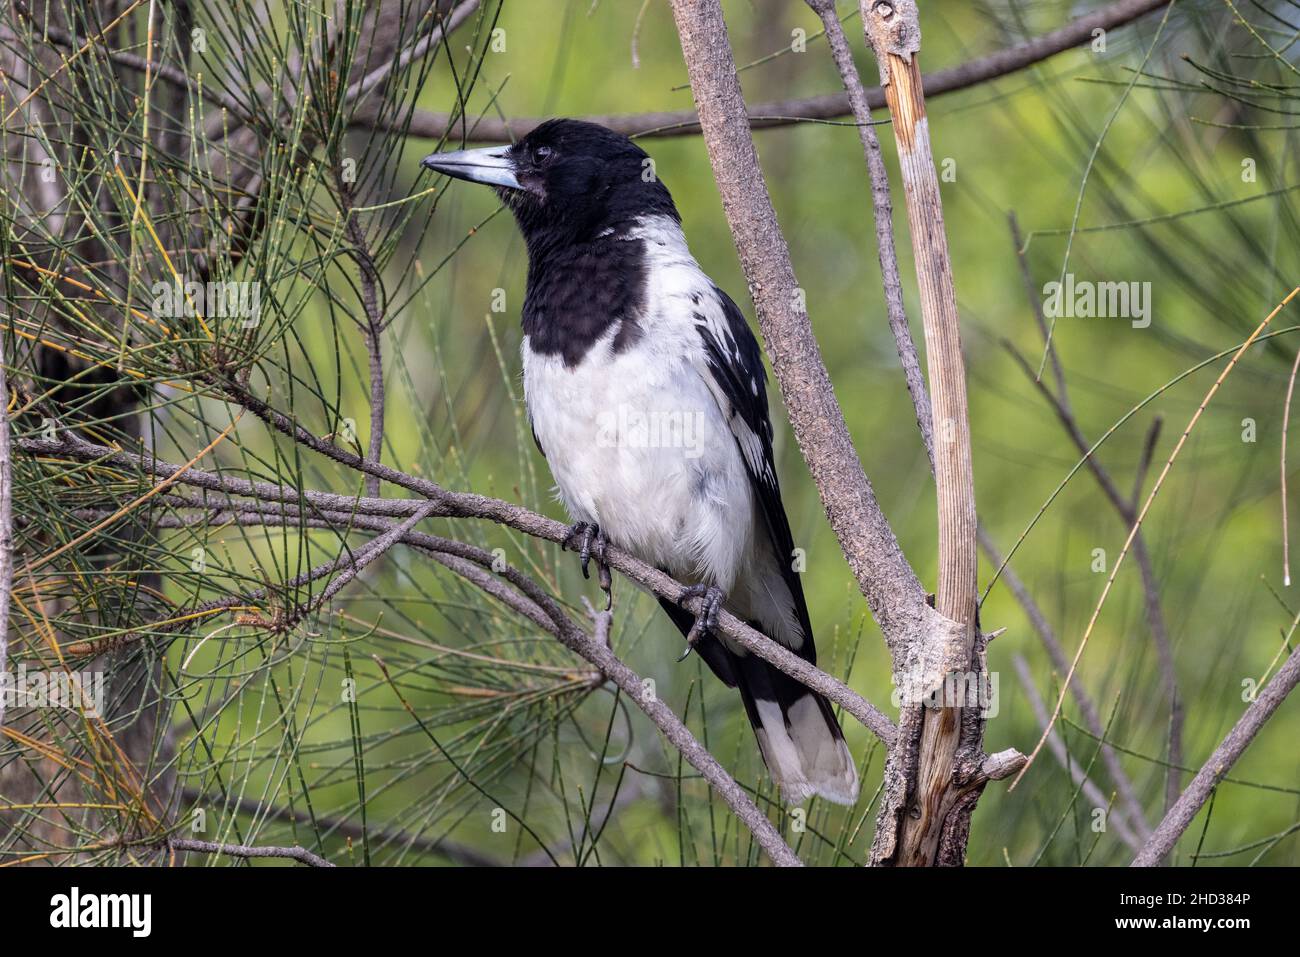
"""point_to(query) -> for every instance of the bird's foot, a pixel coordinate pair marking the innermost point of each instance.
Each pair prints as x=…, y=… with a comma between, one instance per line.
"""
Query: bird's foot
x=706, y=622
x=587, y=539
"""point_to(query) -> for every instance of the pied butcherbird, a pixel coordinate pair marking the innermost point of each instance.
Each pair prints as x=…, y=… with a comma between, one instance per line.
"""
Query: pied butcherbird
x=647, y=396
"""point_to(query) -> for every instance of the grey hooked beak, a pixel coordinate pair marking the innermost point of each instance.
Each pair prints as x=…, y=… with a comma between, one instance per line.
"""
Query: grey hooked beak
x=491, y=166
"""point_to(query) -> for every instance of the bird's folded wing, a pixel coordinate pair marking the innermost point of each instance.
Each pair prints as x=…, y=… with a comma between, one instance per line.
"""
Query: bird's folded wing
x=735, y=375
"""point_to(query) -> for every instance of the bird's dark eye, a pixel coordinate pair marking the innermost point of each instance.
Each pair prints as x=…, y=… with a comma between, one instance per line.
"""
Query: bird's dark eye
x=542, y=153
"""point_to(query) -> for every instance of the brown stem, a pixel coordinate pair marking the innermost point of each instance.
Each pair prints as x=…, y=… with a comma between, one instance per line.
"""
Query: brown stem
x=935, y=828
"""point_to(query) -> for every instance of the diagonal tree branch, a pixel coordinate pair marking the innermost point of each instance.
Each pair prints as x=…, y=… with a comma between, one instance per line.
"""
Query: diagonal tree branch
x=458, y=505
x=1076, y=771
x=537, y=605
x=785, y=112
x=1183, y=812
x=299, y=854
x=1126, y=508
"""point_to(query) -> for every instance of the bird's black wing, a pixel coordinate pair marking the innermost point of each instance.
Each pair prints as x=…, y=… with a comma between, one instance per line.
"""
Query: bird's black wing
x=736, y=366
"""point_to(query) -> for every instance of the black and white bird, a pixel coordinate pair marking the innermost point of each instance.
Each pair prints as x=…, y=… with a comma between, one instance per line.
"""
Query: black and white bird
x=647, y=395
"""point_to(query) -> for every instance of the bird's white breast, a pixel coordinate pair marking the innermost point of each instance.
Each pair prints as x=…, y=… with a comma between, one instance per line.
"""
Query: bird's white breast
x=635, y=438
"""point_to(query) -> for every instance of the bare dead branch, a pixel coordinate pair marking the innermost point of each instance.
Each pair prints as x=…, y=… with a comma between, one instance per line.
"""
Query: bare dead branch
x=1142, y=514
x=1148, y=455
x=340, y=512
x=1126, y=508
x=371, y=282
x=937, y=834
x=901, y=622
x=1127, y=512
x=367, y=555
x=421, y=47
x=463, y=559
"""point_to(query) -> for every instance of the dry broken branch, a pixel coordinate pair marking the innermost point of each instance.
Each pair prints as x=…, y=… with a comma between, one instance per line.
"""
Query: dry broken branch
x=937, y=834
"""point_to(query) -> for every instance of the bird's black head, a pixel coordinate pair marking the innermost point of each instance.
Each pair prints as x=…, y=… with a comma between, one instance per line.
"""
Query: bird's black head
x=566, y=181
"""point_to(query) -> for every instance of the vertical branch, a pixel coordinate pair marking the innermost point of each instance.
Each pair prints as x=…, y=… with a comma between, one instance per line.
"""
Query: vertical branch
x=6, y=526
x=883, y=207
x=373, y=329
x=893, y=30
x=886, y=580
x=1286, y=423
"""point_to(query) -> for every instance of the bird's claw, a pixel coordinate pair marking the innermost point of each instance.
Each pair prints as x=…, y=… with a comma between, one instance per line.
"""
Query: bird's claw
x=606, y=583
x=589, y=541
x=706, y=622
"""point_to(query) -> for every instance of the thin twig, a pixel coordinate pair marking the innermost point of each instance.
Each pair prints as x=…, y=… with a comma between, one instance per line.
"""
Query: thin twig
x=1141, y=517
x=1091, y=717
x=374, y=327
x=884, y=219
x=299, y=854
x=1075, y=770
x=367, y=555
x=1145, y=460
x=1036, y=304
x=1127, y=511
x=430, y=41
x=1286, y=421
x=6, y=527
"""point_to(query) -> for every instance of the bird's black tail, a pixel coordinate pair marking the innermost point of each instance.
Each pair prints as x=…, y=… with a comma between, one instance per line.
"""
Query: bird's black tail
x=798, y=736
